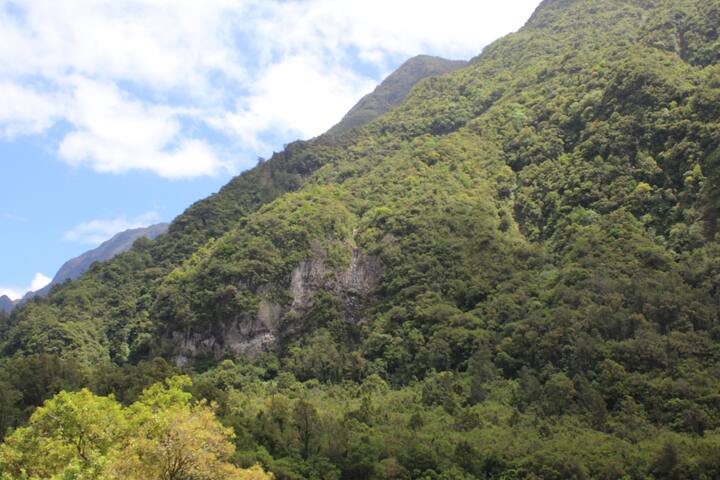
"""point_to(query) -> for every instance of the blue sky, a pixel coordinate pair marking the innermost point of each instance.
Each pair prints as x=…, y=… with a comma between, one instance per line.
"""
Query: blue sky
x=117, y=114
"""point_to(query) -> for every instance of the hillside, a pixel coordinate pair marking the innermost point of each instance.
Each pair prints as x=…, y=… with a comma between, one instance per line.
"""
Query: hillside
x=513, y=274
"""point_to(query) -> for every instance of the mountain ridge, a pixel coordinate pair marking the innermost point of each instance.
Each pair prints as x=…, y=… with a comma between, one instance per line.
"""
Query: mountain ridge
x=393, y=90
x=512, y=274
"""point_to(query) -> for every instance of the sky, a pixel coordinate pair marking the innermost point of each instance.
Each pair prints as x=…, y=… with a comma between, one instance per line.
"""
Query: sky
x=119, y=114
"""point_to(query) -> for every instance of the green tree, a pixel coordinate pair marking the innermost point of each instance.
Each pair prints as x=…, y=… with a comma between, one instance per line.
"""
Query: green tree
x=306, y=422
x=71, y=432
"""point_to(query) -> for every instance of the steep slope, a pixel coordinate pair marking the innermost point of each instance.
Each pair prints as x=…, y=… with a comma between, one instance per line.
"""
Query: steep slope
x=209, y=218
x=519, y=263
x=393, y=90
x=551, y=112
x=287, y=170
x=554, y=141
x=119, y=243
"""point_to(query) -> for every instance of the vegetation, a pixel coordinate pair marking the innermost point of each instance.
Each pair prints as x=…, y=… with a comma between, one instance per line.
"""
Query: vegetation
x=513, y=275
x=393, y=90
x=163, y=436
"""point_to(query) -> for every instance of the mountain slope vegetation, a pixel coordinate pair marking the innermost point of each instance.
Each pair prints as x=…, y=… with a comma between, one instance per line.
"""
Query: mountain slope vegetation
x=394, y=89
x=513, y=274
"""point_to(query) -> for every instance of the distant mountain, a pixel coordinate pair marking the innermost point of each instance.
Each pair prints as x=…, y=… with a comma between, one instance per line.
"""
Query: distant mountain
x=6, y=304
x=120, y=243
x=393, y=90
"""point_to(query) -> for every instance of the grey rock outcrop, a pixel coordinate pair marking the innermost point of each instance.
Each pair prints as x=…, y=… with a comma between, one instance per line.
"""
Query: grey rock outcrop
x=254, y=332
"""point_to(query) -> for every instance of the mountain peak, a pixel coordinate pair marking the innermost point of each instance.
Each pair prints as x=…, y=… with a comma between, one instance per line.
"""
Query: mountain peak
x=393, y=90
x=6, y=303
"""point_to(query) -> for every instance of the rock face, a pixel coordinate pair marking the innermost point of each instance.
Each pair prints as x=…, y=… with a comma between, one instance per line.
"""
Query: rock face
x=120, y=243
x=255, y=332
x=350, y=286
x=393, y=90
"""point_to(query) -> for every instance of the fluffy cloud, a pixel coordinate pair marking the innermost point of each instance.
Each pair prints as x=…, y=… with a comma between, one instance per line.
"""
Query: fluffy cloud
x=295, y=96
x=12, y=293
x=95, y=232
x=165, y=43
x=172, y=86
x=38, y=282
x=376, y=29
x=114, y=134
x=25, y=111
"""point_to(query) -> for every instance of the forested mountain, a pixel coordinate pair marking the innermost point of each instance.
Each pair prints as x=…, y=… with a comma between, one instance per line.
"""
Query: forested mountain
x=513, y=274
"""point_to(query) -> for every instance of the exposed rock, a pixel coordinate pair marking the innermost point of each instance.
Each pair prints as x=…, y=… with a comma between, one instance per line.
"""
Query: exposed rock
x=269, y=314
x=253, y=333
x=306, y=279
x=363, y=274
x=248, y=335
x=356, y=282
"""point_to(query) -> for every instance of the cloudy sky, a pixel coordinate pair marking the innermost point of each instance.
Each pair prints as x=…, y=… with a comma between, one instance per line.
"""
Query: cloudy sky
x=117, y=114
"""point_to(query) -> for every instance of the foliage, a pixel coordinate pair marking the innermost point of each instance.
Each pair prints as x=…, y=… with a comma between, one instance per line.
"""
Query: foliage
x=162, y=436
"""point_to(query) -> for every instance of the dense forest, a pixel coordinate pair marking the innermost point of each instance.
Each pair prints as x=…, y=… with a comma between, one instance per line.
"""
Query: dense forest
x=515, y=274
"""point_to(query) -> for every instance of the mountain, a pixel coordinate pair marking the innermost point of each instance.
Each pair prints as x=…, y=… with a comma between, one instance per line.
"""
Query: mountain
x=393, y=90
x=119, y=243
x=6, y=304
x=511, y=274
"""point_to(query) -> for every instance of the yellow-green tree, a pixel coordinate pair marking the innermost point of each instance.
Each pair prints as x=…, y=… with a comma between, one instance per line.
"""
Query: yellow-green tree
x=172, y=439
x=69, y=434
x=163, y=436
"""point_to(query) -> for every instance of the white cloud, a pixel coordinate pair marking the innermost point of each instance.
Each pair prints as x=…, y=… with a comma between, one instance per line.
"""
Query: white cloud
x=149, y=84
x=24, y=111
x=376, y=28
x=294, y=96
x=38, y=282
x=95, y=232
x=115, y=134
x=310, y=53
x=12, y=293
x=166, y=43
